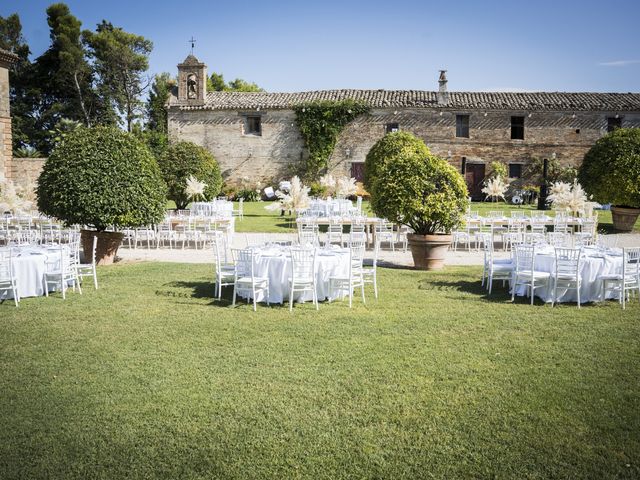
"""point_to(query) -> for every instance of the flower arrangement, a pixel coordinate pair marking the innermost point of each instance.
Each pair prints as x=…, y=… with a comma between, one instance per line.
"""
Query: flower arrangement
x=296, y=200
x=571, y=198
x=495, y=188
x=341, y=186
x=16, y=198
x=194, y=189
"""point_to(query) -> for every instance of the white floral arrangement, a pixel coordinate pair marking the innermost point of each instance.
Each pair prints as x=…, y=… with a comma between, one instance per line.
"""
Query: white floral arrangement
x=495, y=188
x=565, y=197
x=296, y=200
x=341, y=186
x=195, y=188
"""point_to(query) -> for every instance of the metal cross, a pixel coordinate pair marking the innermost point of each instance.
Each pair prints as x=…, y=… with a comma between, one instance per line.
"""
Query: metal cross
x=193, y=43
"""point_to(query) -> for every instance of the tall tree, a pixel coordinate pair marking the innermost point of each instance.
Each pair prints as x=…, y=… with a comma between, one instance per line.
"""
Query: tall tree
x=62, y=79
x=120, y=61
x=158, y=95
x=22, y=103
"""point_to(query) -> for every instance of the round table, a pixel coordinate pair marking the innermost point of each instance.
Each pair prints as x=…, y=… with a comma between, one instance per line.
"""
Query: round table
x=274, y=262
x=595, y=263
x=29, y=266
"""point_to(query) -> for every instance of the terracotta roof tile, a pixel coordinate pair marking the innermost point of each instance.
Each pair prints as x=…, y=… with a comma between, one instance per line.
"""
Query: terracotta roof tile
x=549, y=101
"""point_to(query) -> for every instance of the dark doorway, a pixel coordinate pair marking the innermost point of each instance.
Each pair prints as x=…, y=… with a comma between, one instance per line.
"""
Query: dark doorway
x=474, y=175
x=357, y=171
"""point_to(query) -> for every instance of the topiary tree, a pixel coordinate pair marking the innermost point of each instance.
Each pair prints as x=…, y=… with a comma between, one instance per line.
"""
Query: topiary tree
x=413, y=187
x=388, y=147
x=100, y=177
x=184, y=159
x=610, y=170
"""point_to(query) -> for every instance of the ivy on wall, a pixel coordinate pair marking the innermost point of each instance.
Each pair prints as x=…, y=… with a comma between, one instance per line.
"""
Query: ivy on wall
x=321, y=124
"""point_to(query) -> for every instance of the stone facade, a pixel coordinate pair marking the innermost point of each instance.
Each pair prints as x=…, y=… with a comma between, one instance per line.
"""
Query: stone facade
x=560, y=125
x=6, y=60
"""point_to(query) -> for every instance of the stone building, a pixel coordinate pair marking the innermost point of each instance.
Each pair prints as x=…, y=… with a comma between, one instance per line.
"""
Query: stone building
x=255, y=136
x=6, y=60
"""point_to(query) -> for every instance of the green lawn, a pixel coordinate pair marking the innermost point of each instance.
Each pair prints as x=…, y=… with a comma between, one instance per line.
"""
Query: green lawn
x=149, y=377
x=258, y=219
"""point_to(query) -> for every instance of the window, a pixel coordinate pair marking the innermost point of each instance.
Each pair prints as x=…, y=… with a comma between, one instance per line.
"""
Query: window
x=253, y=125
x=613, y=123
x=462, y=126
x=391, y=128
x=517, y=128
x=515, y=170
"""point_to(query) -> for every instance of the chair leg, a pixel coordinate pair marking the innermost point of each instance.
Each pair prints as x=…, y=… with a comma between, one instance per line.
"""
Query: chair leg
x=291, y=297
x=233, y=303
x=375, y=285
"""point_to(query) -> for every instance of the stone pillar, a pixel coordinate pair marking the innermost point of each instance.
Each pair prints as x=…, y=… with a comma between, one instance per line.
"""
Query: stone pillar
x=6, y=153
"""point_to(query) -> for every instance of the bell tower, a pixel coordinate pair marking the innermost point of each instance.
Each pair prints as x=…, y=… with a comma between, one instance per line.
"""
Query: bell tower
x=192, y=80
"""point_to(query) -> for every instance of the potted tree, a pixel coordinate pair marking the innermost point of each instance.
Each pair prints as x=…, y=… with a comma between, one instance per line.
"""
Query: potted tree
x=102, y=177
x=610, y=173
x=413, y=187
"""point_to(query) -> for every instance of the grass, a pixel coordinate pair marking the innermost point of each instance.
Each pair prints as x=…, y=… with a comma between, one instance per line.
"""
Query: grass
x=149, y=377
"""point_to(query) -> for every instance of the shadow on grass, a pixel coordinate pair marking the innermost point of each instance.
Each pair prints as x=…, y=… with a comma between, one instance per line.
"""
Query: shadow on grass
x=207, y=290
x=499, y=294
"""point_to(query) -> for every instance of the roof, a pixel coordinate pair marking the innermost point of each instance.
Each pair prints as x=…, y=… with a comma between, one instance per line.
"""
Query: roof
x=191, y=60
x=530, y=101
x=8, y=57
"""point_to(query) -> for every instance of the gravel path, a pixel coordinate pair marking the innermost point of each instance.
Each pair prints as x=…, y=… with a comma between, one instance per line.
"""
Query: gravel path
x=240, y=240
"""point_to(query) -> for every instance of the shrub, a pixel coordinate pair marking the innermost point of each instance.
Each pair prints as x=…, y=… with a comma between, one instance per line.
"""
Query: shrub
x=387, y=148
x=415, y=188
x=611, y=168
x=102, y=176
x=316, y=189
x=248, y=194
x=184, y=159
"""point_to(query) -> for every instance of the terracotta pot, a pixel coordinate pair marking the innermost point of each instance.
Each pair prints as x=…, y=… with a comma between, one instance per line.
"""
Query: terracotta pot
x=624, y=218
x=429, y=251
x=108, y=243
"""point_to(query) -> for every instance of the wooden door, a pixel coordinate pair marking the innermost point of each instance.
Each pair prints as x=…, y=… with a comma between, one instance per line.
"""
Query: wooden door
x=474, y=175
x=357, y=171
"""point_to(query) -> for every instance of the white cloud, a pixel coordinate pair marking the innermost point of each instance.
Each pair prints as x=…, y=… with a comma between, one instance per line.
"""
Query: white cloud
x=618, y=63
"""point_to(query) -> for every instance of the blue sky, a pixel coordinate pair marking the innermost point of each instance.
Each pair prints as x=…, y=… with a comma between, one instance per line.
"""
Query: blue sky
x=394, y=44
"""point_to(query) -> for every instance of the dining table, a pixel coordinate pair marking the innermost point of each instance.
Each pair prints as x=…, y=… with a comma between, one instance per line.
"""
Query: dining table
x=274, y=262
x=29, y=267
x=595, y=262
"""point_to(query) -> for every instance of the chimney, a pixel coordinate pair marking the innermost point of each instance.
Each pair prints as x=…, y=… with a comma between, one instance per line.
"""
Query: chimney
x=443, y=95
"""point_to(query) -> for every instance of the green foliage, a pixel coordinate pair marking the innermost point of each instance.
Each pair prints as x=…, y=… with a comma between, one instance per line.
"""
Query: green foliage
x=320, y=124
x=316, y=189
x=63, y=128
x=555, y=172
x=497, y=169
x=26, y=152
x=216, y=83
x=389, y=147
x=102, y=176
x=158, y=95
x=417, y=189
x=183, y=159
x=248, y=194
x=22, y=101
x=120, y=59
x=611, y=168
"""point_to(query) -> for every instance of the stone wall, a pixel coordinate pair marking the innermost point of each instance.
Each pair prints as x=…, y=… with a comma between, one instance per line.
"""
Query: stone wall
x=25, y=171
x=263, y=158
x=280, y=148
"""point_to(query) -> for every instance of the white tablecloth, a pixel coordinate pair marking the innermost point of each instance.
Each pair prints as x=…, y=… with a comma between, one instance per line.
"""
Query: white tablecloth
x=29, y=268
x=274, y=263
x=594, y=264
